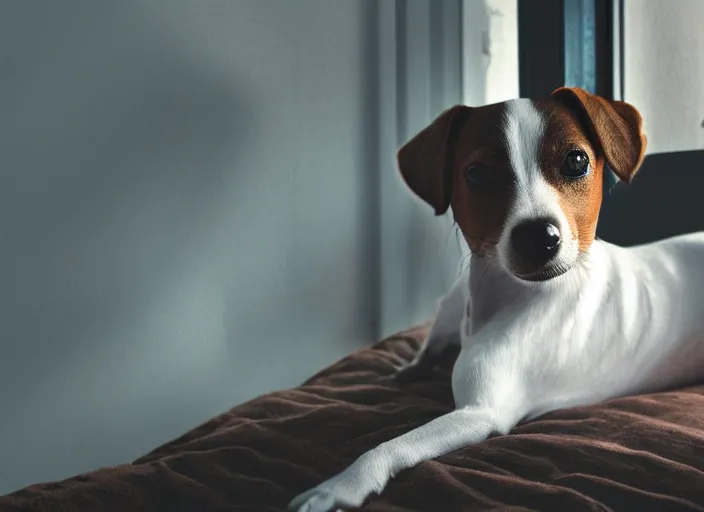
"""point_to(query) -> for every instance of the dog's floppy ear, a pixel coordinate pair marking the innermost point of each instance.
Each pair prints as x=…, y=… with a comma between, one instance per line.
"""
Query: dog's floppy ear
x=425, y=161
x=617, y=127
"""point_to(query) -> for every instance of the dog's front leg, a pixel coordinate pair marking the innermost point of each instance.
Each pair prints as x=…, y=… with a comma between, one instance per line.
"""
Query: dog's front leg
x=370, y=473
x=445, y=332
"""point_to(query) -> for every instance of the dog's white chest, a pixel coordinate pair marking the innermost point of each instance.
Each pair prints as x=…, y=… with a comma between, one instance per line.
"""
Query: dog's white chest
x=630, y=321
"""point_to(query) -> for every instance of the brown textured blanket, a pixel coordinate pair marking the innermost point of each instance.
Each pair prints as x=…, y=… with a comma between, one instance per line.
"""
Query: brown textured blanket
x=634, y=454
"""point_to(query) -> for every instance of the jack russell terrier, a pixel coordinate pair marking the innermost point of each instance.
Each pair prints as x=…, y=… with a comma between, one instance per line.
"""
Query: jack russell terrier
x=547, y=316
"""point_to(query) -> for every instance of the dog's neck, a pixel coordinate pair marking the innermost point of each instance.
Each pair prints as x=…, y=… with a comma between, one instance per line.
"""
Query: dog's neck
x=486, y=272
x=494, y=290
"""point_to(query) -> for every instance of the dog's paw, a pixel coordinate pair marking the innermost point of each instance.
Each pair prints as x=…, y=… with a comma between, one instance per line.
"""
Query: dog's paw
x=348, y=489
x=325, y=498
x=318, y=500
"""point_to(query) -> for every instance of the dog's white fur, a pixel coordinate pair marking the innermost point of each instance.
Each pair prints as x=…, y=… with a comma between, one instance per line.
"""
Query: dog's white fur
x=621, y=321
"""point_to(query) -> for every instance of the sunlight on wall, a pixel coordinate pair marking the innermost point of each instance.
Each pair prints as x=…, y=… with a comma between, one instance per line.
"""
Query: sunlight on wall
x=490, y=51
x=502, y=69
x=664, y=71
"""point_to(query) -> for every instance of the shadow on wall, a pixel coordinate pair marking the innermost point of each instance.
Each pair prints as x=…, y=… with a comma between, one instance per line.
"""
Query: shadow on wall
x=184, y=214
x=113, y=148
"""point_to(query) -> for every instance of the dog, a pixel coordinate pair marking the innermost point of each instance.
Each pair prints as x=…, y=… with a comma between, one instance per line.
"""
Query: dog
x=547, y=316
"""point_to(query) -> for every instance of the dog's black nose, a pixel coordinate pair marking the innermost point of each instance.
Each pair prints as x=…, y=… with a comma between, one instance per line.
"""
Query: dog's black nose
x=535, y=242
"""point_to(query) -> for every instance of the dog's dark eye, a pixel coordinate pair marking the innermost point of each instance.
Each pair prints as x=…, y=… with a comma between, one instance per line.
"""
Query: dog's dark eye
x=575, y=165
x=478, y=175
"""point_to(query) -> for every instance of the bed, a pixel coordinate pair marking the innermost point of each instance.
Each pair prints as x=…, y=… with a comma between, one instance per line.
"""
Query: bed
x=634, y=454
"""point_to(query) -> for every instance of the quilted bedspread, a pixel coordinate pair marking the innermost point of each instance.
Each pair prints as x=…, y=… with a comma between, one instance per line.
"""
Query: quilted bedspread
x=632, y=454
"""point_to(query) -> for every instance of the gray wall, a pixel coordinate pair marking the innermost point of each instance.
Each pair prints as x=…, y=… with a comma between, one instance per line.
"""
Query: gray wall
x=199, y=204
x=664, y=60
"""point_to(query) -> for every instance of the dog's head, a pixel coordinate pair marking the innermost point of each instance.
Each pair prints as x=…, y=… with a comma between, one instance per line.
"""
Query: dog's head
x=524, y=177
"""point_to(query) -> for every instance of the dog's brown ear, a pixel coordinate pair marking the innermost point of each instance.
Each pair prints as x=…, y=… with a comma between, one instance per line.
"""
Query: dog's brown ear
x=425, y=161
x=617, y=127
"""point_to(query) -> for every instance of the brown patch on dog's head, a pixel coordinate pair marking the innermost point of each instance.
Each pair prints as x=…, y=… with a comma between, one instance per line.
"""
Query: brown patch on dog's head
x=615, y=127
x=608, y=132
x=579, y=199
x=434, y=164
x=440, y=163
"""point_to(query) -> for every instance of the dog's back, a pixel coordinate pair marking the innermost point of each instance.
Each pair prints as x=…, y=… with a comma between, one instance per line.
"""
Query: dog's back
x=661, y=286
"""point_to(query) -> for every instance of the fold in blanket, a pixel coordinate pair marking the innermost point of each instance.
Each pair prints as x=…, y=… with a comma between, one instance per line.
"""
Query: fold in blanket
x=632, y=454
